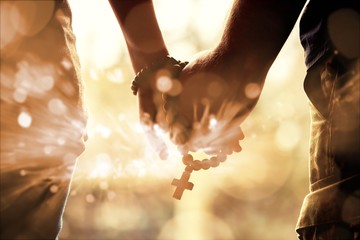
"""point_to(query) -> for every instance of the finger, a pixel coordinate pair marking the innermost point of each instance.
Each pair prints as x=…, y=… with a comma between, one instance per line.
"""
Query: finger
x=154, y=137
x=179, y=125
x=180, y=130
x=236, y=146
x=146, y=104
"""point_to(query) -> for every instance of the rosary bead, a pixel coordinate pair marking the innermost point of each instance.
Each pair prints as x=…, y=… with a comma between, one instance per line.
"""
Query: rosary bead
x=227, y=151
x=221, y=157
x=187, y=159
x=196, y=165
x=214, y=162
x=205, y=163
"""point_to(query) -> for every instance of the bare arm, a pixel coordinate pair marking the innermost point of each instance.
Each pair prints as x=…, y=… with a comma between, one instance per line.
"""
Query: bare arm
x=256, y=31
x=141, y=31
x=145, y=45
x=254, y=35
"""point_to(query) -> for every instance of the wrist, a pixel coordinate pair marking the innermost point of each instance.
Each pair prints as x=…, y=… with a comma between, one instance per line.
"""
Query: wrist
x=141, y=59
x=144, y=77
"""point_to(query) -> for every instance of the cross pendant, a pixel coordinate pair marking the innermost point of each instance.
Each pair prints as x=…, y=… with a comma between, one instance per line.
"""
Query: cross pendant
x=182, y=184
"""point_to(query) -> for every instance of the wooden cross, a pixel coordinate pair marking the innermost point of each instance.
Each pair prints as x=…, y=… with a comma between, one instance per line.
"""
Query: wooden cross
x=182, y=184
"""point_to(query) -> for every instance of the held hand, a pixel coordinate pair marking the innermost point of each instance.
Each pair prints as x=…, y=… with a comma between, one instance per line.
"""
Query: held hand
x=213, y=102
x=201, y=106
x=148, y=112
x=151, y=85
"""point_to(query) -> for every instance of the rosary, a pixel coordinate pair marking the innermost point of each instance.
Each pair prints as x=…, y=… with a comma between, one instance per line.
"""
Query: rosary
x=191, y=164
x=183, y=183
x=144, y=80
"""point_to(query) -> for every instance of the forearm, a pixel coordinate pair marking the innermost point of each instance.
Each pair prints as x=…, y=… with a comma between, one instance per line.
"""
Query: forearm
x=256, y=31
x=141, y=31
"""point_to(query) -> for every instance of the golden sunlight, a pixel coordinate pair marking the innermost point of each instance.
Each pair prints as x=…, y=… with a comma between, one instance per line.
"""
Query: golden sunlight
x=121, y=188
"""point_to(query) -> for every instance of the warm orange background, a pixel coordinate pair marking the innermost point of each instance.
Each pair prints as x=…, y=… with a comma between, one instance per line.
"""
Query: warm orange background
x=121, y=190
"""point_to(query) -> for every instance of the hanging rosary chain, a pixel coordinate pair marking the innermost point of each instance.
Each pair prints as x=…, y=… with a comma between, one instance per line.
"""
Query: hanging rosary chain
x=191, y=164
x=204, y=164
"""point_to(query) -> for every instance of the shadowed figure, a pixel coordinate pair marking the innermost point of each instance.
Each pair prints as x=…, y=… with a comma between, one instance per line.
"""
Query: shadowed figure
x=42, y=117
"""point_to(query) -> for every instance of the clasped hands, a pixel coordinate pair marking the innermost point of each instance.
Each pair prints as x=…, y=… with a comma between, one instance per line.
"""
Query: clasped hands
x=200, y=106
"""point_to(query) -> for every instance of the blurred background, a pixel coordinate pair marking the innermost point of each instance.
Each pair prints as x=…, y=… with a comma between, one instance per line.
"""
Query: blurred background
x=122, y=190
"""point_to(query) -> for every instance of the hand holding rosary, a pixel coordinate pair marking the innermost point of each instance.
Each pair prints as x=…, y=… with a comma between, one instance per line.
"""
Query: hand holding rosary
x=219, y=141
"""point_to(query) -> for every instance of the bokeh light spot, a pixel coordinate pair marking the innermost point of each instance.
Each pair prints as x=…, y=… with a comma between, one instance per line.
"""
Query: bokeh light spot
x=49, y=150
x=104, y=185
x=8, y=32
x=23, y=172
x=135, y=17
x=111, y=195
x=89, y=198
x=103, y=131
x=213, y=122
x=344, y=31
x=73, y=193
x=61, y=141
x=66, y=64
x=103, y=166
x=252, y=90
x=116, y=76
x=20, y=95
x=57, y=106
x=46, y=82
x=136, y=168
x=24, y=119
x=54, y=188
x=163, y=83
x=32, y=16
